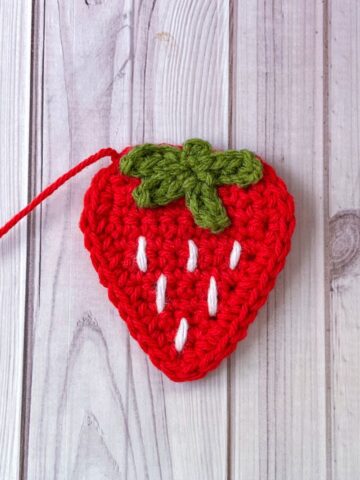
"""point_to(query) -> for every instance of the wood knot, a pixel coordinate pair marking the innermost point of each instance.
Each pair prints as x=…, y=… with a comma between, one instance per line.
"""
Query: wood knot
x=344, y=242
x=91, y=3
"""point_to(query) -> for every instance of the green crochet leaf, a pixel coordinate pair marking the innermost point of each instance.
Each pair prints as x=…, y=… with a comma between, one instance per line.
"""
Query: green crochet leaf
x=193, y=172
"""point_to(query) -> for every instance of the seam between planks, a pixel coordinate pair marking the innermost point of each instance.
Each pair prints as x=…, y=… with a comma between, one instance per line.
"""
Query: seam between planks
x=231, y=93
x=37, y=41
x=326, y=186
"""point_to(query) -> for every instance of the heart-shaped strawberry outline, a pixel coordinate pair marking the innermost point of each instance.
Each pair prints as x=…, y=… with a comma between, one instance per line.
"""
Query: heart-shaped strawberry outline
x=262, y=223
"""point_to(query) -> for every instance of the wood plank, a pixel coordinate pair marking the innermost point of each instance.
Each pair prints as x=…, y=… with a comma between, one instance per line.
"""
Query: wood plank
x=278, y=373
x=344, y=209
x=116, y=73
x=187, y=45
x=15, y=41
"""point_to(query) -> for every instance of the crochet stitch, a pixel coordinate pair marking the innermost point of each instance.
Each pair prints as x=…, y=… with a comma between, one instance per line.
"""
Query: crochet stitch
x=186, y=294
x=194, y=172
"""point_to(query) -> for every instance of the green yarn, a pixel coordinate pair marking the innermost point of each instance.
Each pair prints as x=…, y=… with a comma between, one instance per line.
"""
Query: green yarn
x=194, y=172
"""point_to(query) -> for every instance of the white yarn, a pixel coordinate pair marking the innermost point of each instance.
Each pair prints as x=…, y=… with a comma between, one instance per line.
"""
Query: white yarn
x=235, y=255
x=193, y=256
x=160, y=293
x=212, y=298
x=181, y=334
x=141, y=254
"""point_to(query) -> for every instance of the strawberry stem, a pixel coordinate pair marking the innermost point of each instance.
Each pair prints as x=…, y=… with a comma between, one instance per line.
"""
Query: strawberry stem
x=194, y=172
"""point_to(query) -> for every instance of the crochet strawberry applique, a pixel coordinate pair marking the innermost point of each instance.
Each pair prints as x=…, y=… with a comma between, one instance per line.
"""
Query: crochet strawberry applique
x=189, y=242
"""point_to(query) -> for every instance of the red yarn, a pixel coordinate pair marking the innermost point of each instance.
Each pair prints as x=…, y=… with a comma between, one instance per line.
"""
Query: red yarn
x=262, y=222
x=105, y=152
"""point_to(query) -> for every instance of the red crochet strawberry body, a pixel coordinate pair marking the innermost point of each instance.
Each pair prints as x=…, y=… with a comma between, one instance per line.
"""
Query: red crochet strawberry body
x=186, y=294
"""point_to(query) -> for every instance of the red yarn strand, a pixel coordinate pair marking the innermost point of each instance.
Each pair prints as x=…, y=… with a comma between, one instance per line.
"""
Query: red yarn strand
x=49, y=190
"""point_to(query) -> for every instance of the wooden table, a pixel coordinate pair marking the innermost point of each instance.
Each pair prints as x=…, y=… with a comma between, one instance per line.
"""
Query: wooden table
x=78, y=398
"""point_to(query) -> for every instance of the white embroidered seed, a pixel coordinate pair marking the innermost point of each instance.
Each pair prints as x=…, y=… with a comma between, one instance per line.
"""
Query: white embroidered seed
x=160, y=293
x=141, y=254
x=181, y=334
x=212, y=298
x=193, y=256
x=235, y=255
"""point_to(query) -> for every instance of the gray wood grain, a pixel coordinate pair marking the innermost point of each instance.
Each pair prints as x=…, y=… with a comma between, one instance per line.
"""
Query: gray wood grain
x=280, y=78
x=278, y=373
x=15, y=35
x=116, y=73
x=344, y=234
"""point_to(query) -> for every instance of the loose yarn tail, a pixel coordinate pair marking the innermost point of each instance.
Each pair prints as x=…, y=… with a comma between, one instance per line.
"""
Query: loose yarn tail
x=49, y=190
